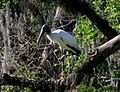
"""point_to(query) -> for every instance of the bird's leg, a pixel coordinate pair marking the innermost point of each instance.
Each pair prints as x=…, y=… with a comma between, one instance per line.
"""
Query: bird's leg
x=51, y=42
x=62, y=61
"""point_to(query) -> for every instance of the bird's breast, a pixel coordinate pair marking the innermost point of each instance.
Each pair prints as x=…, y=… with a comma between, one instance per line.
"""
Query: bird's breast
x=52, y=38
x=56, y=38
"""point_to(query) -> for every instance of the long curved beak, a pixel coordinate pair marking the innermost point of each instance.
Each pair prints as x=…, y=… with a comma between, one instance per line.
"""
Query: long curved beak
x=40, y=36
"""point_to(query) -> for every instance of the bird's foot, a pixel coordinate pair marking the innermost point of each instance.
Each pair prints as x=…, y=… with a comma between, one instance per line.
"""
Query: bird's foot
x=62, y=57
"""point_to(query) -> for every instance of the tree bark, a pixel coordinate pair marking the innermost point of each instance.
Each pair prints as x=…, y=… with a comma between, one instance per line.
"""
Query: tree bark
x=76, y=6
x=74, y=79
x=5, y=26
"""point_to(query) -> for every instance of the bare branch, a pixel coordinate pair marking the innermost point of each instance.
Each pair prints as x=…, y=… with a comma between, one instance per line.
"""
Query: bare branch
x=74, y=79
x=76, y=6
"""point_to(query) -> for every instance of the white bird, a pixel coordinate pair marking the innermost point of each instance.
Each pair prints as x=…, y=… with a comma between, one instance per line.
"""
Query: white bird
x=62, y=38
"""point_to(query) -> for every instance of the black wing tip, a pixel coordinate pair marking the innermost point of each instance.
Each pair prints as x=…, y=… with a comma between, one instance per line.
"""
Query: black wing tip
x=77, y=52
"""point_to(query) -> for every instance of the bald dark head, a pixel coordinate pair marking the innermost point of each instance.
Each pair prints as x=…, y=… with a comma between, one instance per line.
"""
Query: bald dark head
x=45, y=29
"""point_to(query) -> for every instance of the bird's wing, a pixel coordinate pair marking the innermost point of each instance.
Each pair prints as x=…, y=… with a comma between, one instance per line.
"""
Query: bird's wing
x=65, y=40
x=70, y=42
x=68, y=39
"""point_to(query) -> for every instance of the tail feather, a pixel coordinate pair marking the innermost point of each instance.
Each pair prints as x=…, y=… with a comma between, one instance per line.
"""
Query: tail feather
x=76, y=51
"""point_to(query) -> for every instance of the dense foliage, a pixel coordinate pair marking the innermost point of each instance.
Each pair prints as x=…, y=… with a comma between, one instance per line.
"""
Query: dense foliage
x=34, y=65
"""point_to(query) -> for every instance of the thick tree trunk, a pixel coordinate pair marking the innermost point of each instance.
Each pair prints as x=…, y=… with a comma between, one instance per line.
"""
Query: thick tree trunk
x=87, y=68
x=76, y=6
x=5, y=26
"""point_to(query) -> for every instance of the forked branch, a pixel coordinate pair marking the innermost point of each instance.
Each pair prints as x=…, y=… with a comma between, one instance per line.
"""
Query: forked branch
x=74, y=79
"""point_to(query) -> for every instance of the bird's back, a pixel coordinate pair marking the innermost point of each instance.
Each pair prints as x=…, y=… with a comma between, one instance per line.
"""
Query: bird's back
x=64, y=39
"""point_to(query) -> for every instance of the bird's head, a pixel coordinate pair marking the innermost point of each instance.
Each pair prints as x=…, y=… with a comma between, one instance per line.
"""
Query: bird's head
x=44, y=29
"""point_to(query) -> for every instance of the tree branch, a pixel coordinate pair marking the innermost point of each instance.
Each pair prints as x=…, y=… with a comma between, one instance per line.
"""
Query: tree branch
x=74, y=79
x=83, y=7
x=68, y=26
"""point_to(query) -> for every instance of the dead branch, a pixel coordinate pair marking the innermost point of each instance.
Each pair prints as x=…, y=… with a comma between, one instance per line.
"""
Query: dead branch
x=83, y=7
x=74, y=79
x=68, y=26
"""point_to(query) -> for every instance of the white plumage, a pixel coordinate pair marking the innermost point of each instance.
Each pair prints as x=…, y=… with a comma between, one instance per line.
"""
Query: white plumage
x=62, y=38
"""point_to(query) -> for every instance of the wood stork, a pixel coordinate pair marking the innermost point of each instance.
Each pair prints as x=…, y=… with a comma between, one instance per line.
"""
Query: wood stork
x=62, y=38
